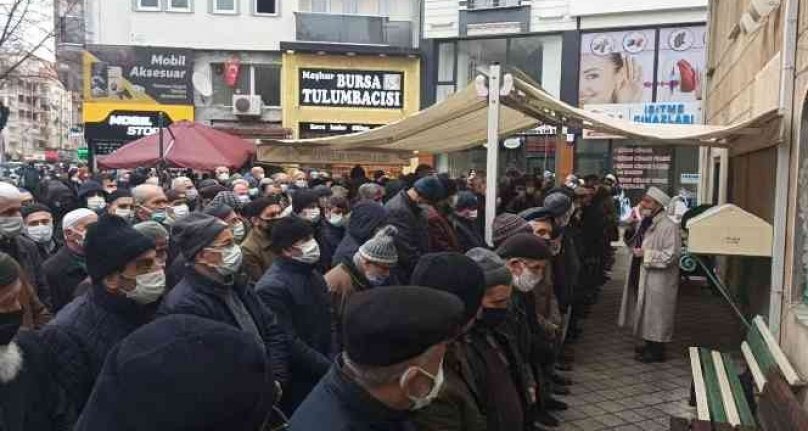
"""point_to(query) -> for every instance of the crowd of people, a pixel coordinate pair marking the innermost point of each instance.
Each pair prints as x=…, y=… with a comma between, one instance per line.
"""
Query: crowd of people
x=137, y=301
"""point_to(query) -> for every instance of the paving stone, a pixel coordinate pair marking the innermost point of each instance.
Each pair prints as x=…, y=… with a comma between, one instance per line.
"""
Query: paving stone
x=610, y=420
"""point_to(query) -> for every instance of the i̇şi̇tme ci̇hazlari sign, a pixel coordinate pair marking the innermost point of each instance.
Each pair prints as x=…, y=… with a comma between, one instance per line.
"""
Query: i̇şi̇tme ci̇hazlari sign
x=351, y=88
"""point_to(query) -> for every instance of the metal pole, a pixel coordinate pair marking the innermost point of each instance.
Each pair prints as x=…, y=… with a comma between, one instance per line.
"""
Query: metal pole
x=493, y=152
x=160, y=126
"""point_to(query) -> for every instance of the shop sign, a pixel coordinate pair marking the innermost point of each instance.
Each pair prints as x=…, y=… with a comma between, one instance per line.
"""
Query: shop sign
x=334, y=128
x=120, y=127
x=689, y=178
x=324, y=155
x=351, y=88
x=137, y=75
x=638, y=168
x=650, y=113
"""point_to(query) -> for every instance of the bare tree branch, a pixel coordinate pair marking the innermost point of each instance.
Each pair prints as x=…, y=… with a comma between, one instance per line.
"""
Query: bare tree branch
x=7, y=26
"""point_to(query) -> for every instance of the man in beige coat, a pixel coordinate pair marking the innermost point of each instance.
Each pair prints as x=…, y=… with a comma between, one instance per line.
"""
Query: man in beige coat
x=652, y=287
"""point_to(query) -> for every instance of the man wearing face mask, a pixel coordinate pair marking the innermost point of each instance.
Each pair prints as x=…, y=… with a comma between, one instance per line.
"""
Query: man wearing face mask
x=331, y=231
x=120, y=203
x=66, y=269
x=128, y=280
x=567, y=265
x=150, y=203
x=17, y=245
x=31, y=400
x=93, y=196
x=649, y=298
x=177, y=206
x=395, y=340
x=184, y=186
x=462, y=402
x=214, y=288
x=306, y=205
x=263, y=214
x=296, y=292
x=369, y=268
x=527, y=257
x=228, y=215
x=223, y=175
x=39, y=228
x=464, y=221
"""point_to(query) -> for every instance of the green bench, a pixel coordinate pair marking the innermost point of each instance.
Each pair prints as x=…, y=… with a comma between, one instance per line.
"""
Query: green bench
x=720, y=399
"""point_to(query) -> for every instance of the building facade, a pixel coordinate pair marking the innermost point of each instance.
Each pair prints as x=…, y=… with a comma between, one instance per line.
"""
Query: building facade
x=576, y=49
x=40, y=110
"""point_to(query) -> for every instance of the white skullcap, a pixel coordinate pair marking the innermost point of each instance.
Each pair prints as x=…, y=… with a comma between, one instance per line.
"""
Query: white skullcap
x=74, y=216
x=658, y=195
x=8, y=191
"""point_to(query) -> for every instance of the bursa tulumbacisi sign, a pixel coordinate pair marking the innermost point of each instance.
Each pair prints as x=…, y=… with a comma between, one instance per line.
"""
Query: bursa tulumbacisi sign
x=351, y=88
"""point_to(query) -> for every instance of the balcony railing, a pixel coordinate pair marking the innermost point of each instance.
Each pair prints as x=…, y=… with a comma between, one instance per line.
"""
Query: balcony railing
x=354, y=29
x=492, y=4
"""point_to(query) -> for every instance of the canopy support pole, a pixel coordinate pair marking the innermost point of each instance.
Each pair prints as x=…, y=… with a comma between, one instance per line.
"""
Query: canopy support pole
x=492, y=161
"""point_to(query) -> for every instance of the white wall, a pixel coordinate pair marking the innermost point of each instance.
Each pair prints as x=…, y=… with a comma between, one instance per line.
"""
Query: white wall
x=641, y=19
x=441, y=19
x=550, y=16
x=603, y=7
x=114, y=22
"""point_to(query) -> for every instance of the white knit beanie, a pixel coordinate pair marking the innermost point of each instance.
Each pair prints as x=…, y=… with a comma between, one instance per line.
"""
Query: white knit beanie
x=381, y=248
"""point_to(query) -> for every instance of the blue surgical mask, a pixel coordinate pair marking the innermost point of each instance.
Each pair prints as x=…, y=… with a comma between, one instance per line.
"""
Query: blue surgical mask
x=159, y=216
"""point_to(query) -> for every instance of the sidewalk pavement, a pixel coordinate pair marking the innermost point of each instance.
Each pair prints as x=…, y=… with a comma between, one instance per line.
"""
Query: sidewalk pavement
x=612, y=391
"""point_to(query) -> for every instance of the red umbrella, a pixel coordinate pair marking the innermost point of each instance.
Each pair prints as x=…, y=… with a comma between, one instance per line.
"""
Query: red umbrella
x=186, y=145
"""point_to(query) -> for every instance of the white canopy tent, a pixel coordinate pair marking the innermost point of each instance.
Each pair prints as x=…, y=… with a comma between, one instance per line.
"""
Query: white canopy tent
x=474, y=116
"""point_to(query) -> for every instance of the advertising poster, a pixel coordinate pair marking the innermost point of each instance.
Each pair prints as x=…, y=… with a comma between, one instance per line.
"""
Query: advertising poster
x=617, y=67
x=137, y=75
x=351, y=88
x=638, y=168
x=681, y=64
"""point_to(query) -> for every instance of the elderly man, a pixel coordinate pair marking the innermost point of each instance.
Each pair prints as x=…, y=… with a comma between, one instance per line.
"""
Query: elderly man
x=650, y=293
x=67, y=268
x=371, y=192
x=18, y=246
x=39, y=228
x=150, y=203
x=127, y=277
x=184, y=185
x=395, y=341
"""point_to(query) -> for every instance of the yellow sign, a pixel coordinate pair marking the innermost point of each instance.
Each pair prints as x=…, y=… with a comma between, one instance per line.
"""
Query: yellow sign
x=98, y=112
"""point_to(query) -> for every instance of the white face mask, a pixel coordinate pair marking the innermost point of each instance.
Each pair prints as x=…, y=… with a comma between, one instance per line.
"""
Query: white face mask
x=223, y=177
x=310, y=252
x=311, y=214
x=148, y=287
x=284, y=188
x=42, y=233
x=231, y=261
x=526, y=281
x=336, y=220
x=245, y=199
x=472, y=215
x=191, y=194
x=437, y=384
x=96, y=203
x=180, y=211
x=646, y=212
x=10, y=227
x=125, y=214
x=238, y=231
x=301, y=184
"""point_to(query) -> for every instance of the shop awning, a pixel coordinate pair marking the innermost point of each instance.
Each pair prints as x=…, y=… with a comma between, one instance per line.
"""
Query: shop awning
x=460, y=122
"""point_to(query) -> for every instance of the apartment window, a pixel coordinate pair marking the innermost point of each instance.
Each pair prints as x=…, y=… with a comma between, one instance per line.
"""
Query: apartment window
x=256, y=79
x=266, y=7
x=148, y=5
x=491, y=4
x=179, y=5
x=225, y=6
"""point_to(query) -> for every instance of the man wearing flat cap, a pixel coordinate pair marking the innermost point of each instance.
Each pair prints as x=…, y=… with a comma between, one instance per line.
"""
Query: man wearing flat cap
x=395, y=341
x=215, y=288
x=649, y=297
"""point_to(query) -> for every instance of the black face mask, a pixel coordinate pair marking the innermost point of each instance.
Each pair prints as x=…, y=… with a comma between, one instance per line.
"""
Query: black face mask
x=493, y=317
x=9, y=325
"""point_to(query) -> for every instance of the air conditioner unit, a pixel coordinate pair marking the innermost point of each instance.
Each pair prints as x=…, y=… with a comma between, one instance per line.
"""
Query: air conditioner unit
x=247, y=105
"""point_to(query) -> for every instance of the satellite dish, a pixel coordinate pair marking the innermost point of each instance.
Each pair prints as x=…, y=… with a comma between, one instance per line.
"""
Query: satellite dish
x=203, y=83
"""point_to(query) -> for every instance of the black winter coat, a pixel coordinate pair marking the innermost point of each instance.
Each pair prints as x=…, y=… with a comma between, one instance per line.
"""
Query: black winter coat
x=26, y=253
x=64, y=271
x=412, y=239
x=298, y=295
x=329, y=237
x=31, y=400
x=81, y=335
x=339, y=404
x=467, y=232
x=198, y=295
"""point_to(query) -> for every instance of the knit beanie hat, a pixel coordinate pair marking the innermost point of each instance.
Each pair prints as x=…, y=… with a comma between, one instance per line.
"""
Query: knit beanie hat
x=196, y=231
x=381, y=248
x=111, y=244
x=227, y=198
x=430, y=188
x=466, y=200
x=366, y=217
x=536, y=213
x=34, y=208
x=506, y=225
x=9, y=270
x=557, y=203
x=454, y=273
x=496, y=273
x=303, y=199
x=288, y=231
